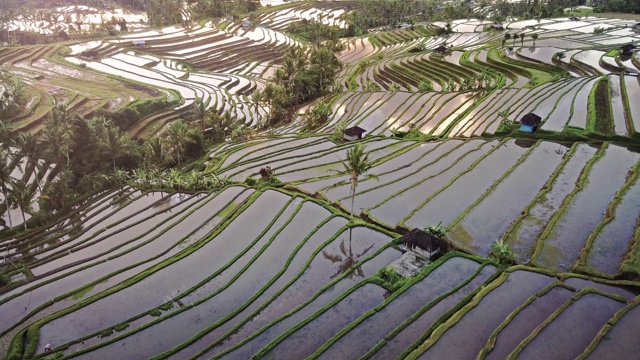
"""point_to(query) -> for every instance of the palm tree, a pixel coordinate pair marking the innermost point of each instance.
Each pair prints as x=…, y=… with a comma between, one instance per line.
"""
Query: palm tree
x=534, y=37
x=179, y=134
x=507, y=36
x=21, y=197
x=356, y=164
x=256, y=99
x=114, y=143
x=5, y=179
x=154, y=151
x=325, y=62
x=57, y=135
x=200, y=112
x=522, y=39
x=29, y=148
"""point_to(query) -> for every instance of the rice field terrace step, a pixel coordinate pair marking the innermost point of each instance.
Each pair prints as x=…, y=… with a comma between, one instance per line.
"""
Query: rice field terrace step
x=568, y=334
x=465, y=333
x=556, y=250
x=616, y=341
x=361, y=338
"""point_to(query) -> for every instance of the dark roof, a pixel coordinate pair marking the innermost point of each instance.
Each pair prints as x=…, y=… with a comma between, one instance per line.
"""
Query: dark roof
x=354, y=131
x=531, y=119
x=498, y=26
x=441, y=49
x=628, y=47
x=423, y=240
x=573, y=18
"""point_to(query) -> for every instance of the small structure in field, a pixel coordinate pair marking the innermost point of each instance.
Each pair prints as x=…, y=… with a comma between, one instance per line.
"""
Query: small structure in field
x=423, y=243
x=573, y=18
x=636, y=26
x=627, y=49
x=530, y=122
x=353, y=133
x=246, y=24
x=440, y=50
x=139, y=43
x=497, y=26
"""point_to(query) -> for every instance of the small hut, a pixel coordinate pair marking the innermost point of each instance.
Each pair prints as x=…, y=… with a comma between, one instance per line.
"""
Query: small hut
x=530, y=122
x=353, y=133
x=573, y=18
x=427, y=244
x=636, y=26
x=627, y=49
x=138, y=43
x=497, y=26
x=246, y=24
x=440, y=50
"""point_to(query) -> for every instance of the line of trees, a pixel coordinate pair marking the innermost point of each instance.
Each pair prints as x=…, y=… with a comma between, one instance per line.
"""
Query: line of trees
x=305, y=75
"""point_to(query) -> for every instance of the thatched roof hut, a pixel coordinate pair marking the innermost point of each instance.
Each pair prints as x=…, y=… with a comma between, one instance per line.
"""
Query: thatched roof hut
x=420, y=239
x=530, y=122
x=440, y=50
x=353, y=133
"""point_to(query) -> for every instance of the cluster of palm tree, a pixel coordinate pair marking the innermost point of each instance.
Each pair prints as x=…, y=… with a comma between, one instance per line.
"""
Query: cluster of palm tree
x=305, y=75
x=173, y=179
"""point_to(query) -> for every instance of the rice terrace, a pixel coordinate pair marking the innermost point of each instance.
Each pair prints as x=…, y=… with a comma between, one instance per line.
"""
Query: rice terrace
x=346, y=179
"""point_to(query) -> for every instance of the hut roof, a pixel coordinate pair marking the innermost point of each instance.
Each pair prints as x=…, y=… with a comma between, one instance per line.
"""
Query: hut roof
x=441, y=49
x=573, y=18
x=354, y=131
x=423, y=240
x=531, y=119
x=628, y=47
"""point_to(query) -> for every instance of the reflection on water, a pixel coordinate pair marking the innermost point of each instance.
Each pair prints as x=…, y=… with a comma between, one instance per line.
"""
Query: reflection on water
x=346, y=259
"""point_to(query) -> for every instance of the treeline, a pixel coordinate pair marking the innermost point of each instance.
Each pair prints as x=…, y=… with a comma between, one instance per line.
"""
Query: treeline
x=626, y=6
x=305, y=75
x=205, y=9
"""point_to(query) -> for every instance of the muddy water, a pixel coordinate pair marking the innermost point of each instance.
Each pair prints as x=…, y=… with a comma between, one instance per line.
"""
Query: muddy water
x=255, y=344
x=621, y=340
x=363, y=337
x=161, y=242
x=250, y=314
x=563, y=245
x=523, y=238
x=115, y=237
x=632, y=85
x=610, y=246
x=306, y=340
x=617, y=106
x=397, y=344
x=406, y=197
x=527, y=320
x=562, y=114
x=169, y=281
x=491, y=217
x=570, y=333
x=450, y=203
x=167, y=334
x=469, y=335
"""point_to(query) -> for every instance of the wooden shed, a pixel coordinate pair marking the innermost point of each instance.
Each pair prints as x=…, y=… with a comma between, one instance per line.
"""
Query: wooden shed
x=429, y=244
x=353, y=133
x=530, y=122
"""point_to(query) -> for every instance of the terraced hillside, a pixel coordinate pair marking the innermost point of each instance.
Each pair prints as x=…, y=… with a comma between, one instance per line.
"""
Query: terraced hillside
x=288, y=258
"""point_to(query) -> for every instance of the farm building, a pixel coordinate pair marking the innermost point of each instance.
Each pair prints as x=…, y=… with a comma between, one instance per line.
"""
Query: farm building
x=137, y=43
x=426, y=244
x=246, y=24
x=497, y=26
x=441, y=50
x=530, y=122
x=353, y=133
x=573, y=18
x=636, y=26
x=627, y=49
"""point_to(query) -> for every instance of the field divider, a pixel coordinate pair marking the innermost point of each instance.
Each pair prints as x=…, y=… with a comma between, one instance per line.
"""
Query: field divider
x=459, y=175
x=33, y=330
x=203, y=282
x=609, y=215
x=312, y=298
x=566, y=202
x=495, y=184
x=514, y=354
x=451, y=318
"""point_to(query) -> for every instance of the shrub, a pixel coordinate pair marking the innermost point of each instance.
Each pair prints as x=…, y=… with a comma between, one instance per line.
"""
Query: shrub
x=501, y=251
x=390, y=279
x=155, y=313
x=106, y=333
